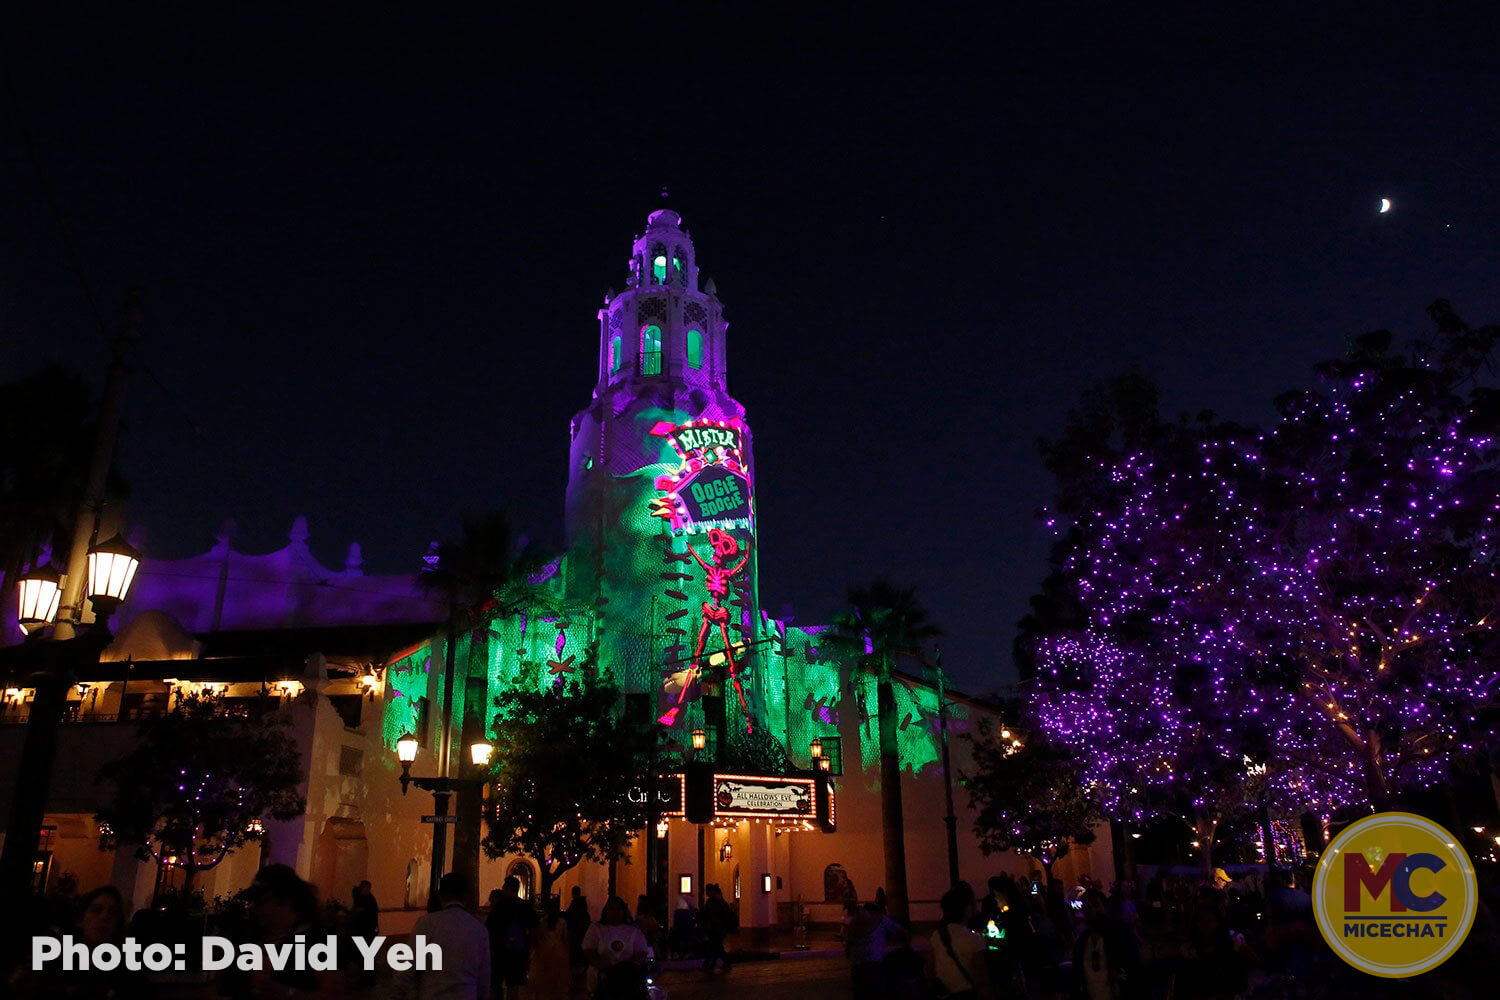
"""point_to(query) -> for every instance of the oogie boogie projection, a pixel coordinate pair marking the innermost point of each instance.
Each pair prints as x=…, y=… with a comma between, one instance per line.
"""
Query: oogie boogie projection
x=709, y=492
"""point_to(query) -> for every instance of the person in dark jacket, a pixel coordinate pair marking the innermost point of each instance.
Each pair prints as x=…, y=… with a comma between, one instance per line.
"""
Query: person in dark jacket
x=1106, y=963
x=716, y=921
x=577, y=918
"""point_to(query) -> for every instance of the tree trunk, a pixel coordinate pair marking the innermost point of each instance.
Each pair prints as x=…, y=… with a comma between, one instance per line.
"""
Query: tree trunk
x=893, y=828
x=1205, y=827
x=1375, y=779
x=1047, y=869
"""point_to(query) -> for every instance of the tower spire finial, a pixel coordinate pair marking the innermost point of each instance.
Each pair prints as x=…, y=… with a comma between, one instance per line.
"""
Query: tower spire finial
x=665, y=193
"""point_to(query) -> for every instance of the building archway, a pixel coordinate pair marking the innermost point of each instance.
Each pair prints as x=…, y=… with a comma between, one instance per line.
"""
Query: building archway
x=524, y=872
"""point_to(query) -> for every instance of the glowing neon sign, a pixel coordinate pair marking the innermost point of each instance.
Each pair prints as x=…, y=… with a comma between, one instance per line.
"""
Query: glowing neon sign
x=711, y=489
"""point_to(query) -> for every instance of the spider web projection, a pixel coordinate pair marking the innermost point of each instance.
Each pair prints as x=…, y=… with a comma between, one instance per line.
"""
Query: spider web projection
x=406, y=684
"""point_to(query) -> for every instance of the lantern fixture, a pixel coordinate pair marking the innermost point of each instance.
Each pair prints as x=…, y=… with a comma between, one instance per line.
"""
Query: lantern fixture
x=40, y=591
x=824, y=764
x=112, y=567
x=661, y=829
x=815, y=748
x=765, y=883
x=480, y=752
x=726, y=850
x=685, y=885
x=370, y=683
x=406, y=749
x=700, y=739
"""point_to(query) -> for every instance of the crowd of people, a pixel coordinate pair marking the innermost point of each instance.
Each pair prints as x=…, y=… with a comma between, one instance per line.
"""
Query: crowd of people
x=514, y=950
x=1183, y=936
x=1215, y=938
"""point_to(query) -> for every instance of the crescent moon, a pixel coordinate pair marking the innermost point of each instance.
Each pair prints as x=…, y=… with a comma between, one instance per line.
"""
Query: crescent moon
x=1385, y=205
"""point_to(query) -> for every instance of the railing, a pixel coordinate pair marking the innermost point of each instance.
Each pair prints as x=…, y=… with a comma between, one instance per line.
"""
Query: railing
x=71, y=715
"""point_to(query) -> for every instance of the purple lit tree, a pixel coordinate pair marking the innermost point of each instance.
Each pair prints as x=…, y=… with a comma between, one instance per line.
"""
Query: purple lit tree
x=1318, y=600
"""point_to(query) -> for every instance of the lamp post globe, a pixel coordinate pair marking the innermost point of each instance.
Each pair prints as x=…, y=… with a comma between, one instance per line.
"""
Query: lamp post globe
x=40, y=592
x=480, y=752
x=112, y=567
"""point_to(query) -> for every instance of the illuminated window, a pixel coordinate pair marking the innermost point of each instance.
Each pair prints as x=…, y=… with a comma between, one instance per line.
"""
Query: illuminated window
x=659, y=265
x=677, y=268
x=694, y=349
x=651, y=349
x=614, y=355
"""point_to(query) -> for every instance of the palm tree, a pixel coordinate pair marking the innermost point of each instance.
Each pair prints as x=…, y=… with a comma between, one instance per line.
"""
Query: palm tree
x=484, y=575
x=882, y=625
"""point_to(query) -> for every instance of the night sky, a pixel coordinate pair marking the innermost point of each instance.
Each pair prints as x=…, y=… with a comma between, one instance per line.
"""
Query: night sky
x=373, y=241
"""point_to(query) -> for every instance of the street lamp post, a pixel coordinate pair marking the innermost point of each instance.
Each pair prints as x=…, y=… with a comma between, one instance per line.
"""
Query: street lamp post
x=108, y=571
x=442, y=788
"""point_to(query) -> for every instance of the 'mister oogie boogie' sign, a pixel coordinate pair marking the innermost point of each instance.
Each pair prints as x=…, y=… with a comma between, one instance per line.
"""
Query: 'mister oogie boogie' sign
x=711, y=489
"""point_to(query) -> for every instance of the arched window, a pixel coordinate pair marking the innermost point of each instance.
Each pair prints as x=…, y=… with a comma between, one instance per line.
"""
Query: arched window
x=522, y=872
x=679, y=268
x=615, y=359
x=651, y=349
x=694, y=349
x=659, y=265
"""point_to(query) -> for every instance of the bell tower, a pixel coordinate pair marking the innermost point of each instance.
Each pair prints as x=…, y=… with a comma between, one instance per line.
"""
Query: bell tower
x=660, y=514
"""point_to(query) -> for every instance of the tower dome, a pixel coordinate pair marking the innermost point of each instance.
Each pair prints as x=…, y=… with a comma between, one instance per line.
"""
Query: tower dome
x=662, y=327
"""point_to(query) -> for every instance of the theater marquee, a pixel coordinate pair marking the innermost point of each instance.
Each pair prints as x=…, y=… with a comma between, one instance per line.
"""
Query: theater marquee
x=746, y=797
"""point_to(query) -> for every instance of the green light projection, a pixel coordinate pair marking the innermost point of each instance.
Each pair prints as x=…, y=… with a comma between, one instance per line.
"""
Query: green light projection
x=406, y=683
x=694, y=349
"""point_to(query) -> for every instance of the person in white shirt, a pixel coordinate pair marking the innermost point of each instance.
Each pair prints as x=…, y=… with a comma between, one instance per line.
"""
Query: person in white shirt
x=465, y=947
x=957, y=955
x=616, y=951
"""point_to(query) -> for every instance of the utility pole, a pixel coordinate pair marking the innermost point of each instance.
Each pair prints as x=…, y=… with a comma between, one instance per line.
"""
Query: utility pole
x=950, y=820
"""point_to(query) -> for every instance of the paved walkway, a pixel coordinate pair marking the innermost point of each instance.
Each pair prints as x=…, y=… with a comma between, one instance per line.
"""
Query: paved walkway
x=784, y=979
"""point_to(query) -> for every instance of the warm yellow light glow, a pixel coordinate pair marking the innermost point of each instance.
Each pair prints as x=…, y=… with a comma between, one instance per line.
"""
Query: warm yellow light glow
x=39, y=594
x=700, y=739
x=481, y=752
x=661, y=829
x=685, y=884
x=406, y=749
x=816, y=748
x=112, y=567
x=289, y=689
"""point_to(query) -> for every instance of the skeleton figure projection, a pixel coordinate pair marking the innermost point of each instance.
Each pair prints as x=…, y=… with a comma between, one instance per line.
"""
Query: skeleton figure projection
x=719, y=581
